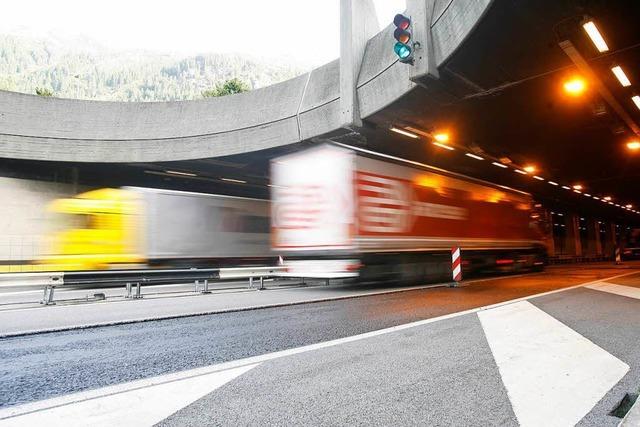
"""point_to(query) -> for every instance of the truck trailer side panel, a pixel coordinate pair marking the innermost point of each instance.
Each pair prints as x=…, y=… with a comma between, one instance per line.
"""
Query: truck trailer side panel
x=401, y=207
x=182, y=225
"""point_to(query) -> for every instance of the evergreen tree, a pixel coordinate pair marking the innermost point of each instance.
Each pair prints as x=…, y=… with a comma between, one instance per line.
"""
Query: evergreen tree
x=42, y=91
x=229, y=87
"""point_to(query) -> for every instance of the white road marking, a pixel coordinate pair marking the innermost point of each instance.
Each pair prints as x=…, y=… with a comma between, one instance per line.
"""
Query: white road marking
x=625, y=291
x=139, y=406
x=553, y=375
x=252, y=361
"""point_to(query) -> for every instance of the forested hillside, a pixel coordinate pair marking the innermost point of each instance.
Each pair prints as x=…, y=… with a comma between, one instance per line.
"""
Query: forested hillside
x=86, y=70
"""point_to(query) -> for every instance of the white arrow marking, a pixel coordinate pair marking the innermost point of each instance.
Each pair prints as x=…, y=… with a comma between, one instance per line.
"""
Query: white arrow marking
x=553, y=375
x=625, y=291
x=142, y=406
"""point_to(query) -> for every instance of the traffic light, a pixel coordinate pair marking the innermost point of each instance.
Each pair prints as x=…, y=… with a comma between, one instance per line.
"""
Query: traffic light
x=403, y=47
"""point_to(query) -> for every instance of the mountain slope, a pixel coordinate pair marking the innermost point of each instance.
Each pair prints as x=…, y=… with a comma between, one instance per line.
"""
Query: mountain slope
x=88, y=70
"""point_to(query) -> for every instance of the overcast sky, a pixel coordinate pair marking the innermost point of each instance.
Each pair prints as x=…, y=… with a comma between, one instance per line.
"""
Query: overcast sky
x=304, y=29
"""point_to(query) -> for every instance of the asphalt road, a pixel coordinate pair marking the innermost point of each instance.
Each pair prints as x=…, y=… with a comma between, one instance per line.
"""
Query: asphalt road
x=444, y=373
x=45, y=365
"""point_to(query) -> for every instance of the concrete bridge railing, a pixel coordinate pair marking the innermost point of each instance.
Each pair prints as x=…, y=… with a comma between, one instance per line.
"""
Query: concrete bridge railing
x=38, y=128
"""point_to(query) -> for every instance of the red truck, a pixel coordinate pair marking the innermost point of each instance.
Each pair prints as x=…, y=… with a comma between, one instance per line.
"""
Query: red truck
x=340, y=211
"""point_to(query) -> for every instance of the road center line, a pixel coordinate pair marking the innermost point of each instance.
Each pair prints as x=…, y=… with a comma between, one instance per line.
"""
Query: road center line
x=612, y=288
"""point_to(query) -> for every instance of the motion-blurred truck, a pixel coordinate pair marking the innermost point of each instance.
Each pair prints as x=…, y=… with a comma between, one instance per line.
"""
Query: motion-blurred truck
x=340, y=211
x=112, y=228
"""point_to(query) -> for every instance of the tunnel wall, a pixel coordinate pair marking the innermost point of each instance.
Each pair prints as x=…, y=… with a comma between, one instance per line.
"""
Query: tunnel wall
x=25, y=224
x=40, y=128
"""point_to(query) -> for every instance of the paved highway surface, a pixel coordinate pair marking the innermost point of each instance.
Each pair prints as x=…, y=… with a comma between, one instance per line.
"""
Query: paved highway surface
x=442, y=373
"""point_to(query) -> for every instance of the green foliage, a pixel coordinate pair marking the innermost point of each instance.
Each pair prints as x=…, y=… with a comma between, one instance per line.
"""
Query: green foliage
x=7, y=83
x=90, y=71
x=42, y=91
x=229, y=87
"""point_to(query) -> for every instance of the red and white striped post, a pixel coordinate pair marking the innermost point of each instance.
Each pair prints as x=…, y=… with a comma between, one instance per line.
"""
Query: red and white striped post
x=456, y=265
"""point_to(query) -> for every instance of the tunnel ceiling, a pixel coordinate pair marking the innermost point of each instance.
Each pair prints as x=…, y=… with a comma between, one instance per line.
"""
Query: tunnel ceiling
x=501, y=94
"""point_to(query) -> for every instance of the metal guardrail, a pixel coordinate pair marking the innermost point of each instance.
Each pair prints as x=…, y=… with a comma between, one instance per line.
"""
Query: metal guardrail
x=570, y=259
x=134, y=280
x=31, y=279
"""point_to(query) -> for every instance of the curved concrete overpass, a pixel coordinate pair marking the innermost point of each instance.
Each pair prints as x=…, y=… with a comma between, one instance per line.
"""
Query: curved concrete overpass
x=38, y=128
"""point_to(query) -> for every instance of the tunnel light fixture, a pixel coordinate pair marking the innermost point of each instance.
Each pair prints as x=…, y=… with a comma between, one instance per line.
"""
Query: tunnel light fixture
x=595, y=36
x=636, y=100
x=628, y=206
x=441, y=137
x=621, y=76
x=539, y=178
x=235, y=181
x=633, y=145
x=577, y=191
x=529, y=168
x=555, y=184
x=445, y=146
x=596, y=198
x=180, y=173
x=473, y=156
x=500, y=165
x=577, y=187
x=611, y=203
x=566, y=188
x=617, y=205
x=607, y=198
x=575, y=86
x=587, y=195
x=403, y=132
x=521, y=172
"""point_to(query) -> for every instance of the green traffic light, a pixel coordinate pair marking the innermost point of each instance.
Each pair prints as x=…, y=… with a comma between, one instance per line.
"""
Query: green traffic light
x=402, y=50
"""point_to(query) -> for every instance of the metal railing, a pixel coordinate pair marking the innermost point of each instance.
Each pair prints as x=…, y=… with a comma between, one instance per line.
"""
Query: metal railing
x=134, y=280
x=570, y=259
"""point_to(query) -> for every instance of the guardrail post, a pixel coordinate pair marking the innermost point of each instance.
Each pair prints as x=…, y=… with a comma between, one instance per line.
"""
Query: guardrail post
x=250, y=282
x=133, y=290
x=261, y=283
x=205, y=286
x=47, y=298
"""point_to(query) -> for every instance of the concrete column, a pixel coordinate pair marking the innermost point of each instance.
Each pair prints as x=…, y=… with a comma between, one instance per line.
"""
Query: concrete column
x=610, y=239
x=547, y=231
x=593, y=236
x=358, y=23
x=572, y=242
x=421, y=14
